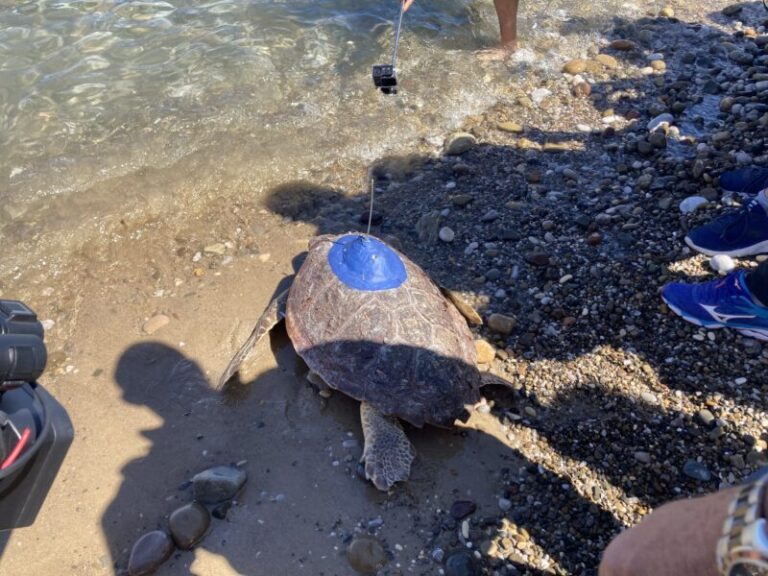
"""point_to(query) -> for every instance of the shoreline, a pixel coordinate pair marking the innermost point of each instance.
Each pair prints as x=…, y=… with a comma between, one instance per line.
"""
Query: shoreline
x=571, y=232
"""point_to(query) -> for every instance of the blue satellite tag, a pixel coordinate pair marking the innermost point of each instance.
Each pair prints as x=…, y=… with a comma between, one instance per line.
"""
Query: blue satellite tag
x=365, y=263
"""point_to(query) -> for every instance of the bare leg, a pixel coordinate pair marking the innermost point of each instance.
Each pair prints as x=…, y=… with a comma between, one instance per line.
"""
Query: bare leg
x=506, y=10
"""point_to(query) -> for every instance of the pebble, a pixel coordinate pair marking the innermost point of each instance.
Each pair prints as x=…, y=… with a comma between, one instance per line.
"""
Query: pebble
x=438, y=554
x=485, y=352
x=155, y=323
x=722, y=264
x=460, y=564
x=462, y=508
x=512, y=127
x=149, y=552
x=607, y=61
x=660, y=121
x=366, y=555
x=691, y=204
x=188, y=525
x=732, y=10
x=218, y=484
x=740, y=381
x=539, y=95
x=574, y=67
x=622, y=45
x=502, y=323
x=697, y=471
x=642, y=457
x=446, y=234
x=490, y=216
x=217, y=248
x=705, y=416
x=505, y=504
x=459, y=143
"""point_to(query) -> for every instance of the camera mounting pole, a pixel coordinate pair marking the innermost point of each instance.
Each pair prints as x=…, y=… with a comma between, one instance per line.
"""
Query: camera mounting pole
x=397, y=34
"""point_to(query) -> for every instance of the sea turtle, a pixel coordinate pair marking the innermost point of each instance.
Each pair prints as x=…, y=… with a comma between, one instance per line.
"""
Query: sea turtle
x=371, y=324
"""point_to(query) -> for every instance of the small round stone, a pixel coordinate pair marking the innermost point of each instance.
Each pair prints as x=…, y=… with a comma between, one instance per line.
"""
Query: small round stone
x=697, y=471
x=485, y=352
x=691, y=204
x=446, y=234
x=188, y=525
x=149, y=552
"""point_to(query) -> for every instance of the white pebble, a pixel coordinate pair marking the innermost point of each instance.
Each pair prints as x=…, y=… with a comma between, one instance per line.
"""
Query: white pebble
x=450, y=185
x=691, y=204
x=446, y=234
x=660, y=121
x=47, y=324
x=740, y=381
x=722, y=264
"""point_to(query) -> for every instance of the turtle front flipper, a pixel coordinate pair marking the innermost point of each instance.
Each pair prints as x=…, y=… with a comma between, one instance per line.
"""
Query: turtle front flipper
x=274, y=313
x=387, y=453
x=469, y=313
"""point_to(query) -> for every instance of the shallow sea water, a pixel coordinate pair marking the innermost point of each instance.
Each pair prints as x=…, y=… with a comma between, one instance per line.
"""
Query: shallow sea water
x=110, y=106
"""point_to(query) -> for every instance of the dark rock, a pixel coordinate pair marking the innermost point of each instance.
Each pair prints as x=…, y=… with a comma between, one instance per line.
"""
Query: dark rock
x=460, y=564
x=711, y=87
x=220, y=512
x=462, y=508
x=188, y=525
x=583, y=220
x=218, y=484
x=366, y=555
x=537, y=259
x=376, y=218
x=644, y=147
x=493, y=274
x=732, y=10
x=149, y=552
x=461, y=200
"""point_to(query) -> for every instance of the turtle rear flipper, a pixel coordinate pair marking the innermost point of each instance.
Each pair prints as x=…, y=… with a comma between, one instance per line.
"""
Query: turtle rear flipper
x=274, y=313
x=388, y=452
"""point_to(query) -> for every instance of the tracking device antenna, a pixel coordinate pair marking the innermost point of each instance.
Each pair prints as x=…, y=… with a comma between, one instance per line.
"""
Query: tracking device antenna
x=385, y=75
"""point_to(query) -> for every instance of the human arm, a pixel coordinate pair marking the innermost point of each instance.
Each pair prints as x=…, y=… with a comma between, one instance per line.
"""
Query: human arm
x=677, y=539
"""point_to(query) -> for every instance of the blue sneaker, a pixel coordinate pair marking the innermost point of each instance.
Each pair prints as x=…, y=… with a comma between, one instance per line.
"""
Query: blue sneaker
x=722, y=303
x=745, y=180
x=737, y=234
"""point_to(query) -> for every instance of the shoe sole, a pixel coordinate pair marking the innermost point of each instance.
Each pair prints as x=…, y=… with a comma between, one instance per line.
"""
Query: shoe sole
x=754, y=250
x=749, y=332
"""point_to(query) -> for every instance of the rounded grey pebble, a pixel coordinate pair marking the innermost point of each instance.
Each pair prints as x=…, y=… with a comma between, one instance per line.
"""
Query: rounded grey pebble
x=697, y=471
x=188, y=525
x=218, y=484
x=149, y=552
